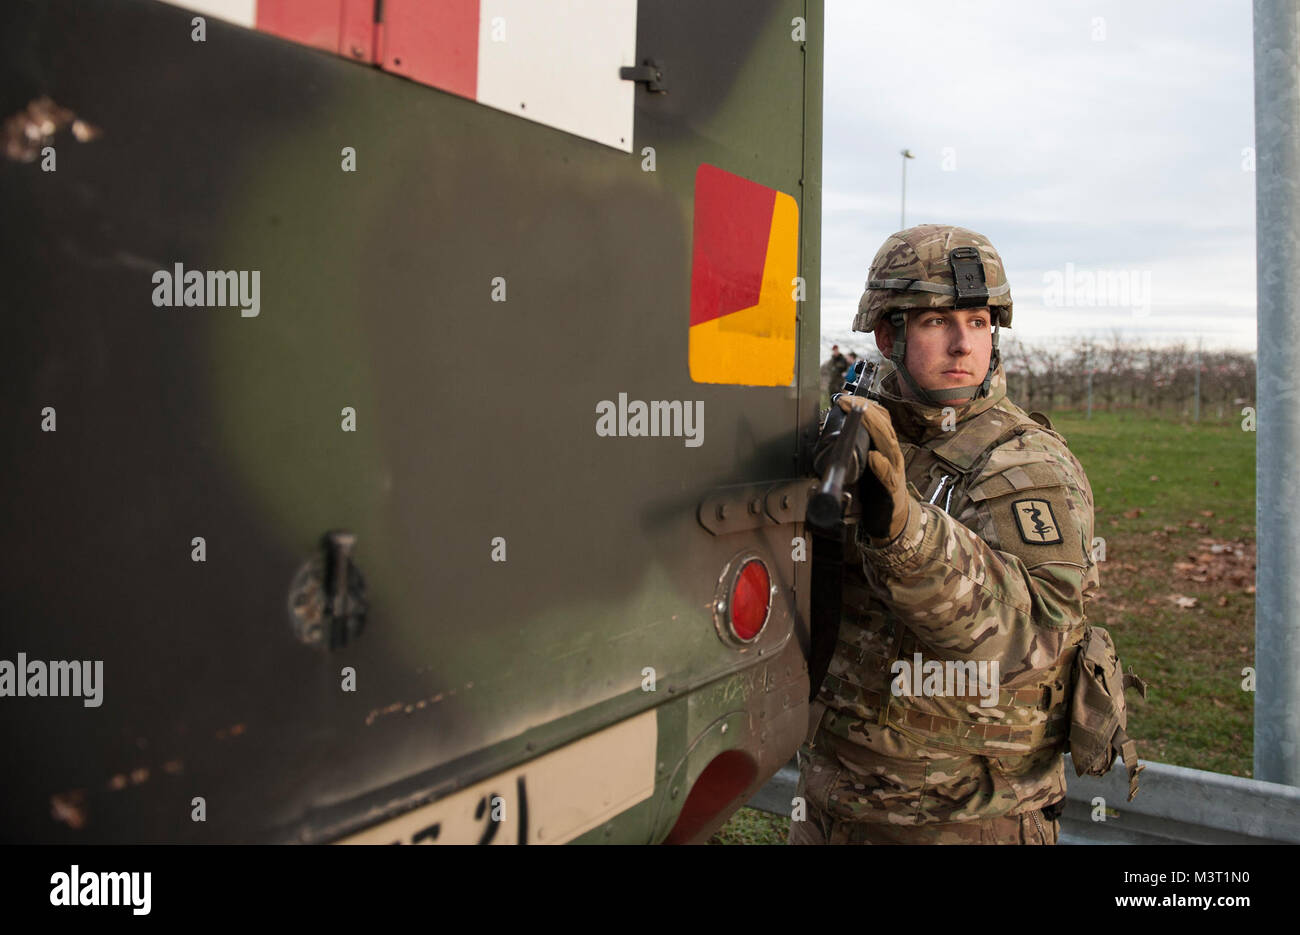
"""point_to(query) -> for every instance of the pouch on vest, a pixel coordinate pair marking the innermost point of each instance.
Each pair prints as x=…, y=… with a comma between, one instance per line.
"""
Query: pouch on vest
x=1098, y=714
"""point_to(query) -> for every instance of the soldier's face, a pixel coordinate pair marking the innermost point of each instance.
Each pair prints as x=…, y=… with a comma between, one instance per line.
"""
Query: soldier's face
x=946, y=348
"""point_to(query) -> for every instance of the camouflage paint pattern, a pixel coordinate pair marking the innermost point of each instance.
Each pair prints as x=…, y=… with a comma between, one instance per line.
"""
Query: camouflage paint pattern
x=175, y=423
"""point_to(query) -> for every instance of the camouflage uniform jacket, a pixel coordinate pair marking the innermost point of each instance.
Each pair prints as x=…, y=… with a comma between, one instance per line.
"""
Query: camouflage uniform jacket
x=993, y=564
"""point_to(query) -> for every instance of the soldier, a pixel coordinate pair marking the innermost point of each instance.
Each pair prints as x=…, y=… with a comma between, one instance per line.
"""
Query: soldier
x=839, y=365
x=945, y=710
x=833, y=369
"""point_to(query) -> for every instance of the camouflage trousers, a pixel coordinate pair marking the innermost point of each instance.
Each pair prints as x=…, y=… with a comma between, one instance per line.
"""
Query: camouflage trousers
x=1026, y=828
x=818, y=774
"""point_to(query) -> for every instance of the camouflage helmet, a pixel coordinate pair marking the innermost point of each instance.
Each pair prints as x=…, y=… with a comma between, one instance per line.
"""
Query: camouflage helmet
x=914, y=269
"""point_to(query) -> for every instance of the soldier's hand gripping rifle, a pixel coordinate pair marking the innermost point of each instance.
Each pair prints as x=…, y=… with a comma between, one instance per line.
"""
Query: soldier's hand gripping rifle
x=847, y=458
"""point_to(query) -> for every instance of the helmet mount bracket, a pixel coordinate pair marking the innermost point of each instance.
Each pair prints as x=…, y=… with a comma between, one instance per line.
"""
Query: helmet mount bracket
x=972, y=290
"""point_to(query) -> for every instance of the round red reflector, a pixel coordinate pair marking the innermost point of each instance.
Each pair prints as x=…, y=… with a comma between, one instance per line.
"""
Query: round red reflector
x=750, y=598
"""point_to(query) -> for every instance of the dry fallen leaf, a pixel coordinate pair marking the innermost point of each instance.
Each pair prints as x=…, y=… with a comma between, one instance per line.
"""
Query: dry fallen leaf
x=1182, y=601
x=1134, y=513
x=1231, y=565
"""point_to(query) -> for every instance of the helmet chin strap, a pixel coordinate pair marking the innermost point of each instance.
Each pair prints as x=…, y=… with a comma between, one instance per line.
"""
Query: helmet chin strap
x=937, y=397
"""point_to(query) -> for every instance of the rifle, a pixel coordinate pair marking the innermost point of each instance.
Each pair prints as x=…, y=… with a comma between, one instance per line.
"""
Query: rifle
x=826, y=506
x=826, y=509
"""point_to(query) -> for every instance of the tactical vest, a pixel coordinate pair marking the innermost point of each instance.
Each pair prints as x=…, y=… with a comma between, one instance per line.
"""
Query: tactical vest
x=944, y=472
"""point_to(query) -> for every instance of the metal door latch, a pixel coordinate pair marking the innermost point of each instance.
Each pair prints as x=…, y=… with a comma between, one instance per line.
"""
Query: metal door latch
x=650, y=72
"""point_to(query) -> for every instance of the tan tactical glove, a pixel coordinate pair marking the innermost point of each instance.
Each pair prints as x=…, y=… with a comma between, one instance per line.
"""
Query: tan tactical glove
x=883, y=488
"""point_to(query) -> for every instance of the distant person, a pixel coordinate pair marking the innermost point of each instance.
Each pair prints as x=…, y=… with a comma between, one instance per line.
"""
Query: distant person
x=839, y=364
x=833, y=367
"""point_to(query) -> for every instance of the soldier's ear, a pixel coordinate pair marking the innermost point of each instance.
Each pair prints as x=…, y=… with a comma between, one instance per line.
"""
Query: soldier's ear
x=884, y=338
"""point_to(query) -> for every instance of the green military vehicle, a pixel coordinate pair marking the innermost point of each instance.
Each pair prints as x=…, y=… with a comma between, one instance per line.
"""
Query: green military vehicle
x=408, y=414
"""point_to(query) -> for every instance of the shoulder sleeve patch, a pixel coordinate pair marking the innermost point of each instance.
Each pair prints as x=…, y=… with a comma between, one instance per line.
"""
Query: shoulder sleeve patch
x=1036, y=522
x=1038, y=526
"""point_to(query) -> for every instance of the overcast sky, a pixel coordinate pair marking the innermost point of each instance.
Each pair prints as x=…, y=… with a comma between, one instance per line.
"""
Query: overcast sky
x=1079, y=137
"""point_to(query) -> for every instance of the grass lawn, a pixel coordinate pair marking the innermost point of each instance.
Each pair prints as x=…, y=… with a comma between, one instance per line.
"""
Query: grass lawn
x=1175, y=504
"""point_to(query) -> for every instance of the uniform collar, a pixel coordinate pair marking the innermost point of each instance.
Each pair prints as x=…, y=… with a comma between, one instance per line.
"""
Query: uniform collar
x=919, y=422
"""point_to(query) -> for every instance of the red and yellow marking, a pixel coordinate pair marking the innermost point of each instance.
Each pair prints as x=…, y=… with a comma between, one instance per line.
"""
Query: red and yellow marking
x=744, y=260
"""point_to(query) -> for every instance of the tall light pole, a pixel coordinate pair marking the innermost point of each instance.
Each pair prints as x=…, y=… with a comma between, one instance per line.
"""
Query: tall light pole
x=902, y=211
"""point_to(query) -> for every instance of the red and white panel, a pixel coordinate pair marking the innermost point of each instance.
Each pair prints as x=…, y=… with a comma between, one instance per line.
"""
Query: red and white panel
x=554, y=62
x=558, y=64
x=239, y=12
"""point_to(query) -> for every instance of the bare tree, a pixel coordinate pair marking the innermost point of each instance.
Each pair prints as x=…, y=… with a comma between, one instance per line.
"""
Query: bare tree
x=1125, y=373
